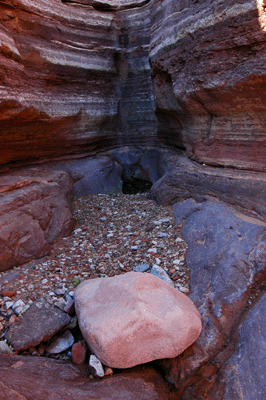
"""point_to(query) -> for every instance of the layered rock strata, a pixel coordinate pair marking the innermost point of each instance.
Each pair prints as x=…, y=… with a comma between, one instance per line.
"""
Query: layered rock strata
x=187, y=179
x=208, y=62
x=73, y=79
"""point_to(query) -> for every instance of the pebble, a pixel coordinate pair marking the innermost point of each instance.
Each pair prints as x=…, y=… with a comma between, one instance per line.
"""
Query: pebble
x=97, y=368
x=61, y=343
x=160, y=273
x=4, y=348
x=78, y=352
x=141, y=268
x=150, y=238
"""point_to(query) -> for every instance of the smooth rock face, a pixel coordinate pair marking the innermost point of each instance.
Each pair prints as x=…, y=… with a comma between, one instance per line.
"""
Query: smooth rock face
x=226, y=256
x=245, y=372
x=40, y=323
x=34, y=210
x=94, y=175
x=41, y=378
x=135, y=318
x=207, y=61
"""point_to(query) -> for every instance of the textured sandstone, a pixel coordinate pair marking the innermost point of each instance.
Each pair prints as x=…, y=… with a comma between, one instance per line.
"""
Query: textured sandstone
x=135, y=318
x=73, y=79
x=34, y=211
x=41, y=378
x=185, y=179
x=208, y=62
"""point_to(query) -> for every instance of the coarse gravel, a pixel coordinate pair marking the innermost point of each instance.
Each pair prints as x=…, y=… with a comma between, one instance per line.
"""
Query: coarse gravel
x=113, y=234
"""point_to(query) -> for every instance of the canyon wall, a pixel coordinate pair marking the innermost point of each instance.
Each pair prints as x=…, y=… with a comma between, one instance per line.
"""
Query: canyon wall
x=74, y=78
x=208, y=61
x=79, y=77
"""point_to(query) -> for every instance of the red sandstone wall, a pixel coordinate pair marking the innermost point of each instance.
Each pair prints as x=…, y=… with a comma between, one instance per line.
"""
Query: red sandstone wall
x=208, y=59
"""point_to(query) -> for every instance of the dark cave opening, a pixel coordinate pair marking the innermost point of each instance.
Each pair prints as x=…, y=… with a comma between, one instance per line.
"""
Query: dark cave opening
x=134, y=186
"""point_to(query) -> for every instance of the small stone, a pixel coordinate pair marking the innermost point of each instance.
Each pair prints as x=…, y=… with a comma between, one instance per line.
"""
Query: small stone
x=70, y=307
x=9, y=304
x=141, y=268
x=108, y=371
x=96, y=367
x=160, y=273
x=44, y=281
x=152, y=250
x=161, y=221
x=73, y=323
x=60, y=303
x=183, y=289
x=134, y=248
x=162, y=235
x=60, y=292
x=78, y=352
x=176, y=261
x=4, y=348
x=41, y=349
x=8, y=293
x=17, y=304
x=61, y=343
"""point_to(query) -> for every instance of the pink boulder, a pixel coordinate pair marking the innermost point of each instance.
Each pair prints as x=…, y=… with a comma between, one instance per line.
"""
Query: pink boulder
x=135, y=318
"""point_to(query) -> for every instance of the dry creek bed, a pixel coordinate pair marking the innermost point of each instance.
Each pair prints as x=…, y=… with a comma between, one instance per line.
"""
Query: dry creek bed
x=112, y=235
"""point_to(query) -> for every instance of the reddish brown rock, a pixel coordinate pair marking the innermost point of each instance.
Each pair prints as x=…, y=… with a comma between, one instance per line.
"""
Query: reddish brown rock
x=74, y=79
x=34, y=211
x=135, y=318
x=41, y=378
x=78, y=351
x=208, y=60
x=8, y=293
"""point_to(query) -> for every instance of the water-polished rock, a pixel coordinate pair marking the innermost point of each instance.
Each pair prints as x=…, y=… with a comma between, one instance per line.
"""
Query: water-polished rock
x=35, y=209
x=41, y=378
x=227, y=257
x=135, y=318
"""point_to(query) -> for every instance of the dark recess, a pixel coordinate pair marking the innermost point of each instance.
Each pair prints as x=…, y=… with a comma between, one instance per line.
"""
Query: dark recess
x=134, y=186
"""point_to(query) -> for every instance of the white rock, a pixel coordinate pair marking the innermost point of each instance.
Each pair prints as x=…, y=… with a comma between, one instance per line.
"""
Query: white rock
x=97, y=365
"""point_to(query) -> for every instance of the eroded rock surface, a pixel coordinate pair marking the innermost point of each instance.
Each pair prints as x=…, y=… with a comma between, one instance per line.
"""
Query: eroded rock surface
x=35, y=210
x=208, y=60
x=135, y=318
x=226, y=256
x=74, y=78
x=40, y=323
x=27, y=378
x=242, y=189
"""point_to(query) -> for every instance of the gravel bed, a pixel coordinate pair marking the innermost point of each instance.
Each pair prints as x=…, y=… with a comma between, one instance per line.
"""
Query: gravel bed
x=112, y=235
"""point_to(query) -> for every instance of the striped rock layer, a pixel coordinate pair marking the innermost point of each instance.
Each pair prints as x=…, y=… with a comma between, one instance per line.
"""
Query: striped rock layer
x=208, y=62
x=78, y=77
x=74, y=78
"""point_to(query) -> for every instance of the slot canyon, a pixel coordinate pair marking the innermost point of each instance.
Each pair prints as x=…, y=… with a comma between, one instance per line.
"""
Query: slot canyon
x=163, y=96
